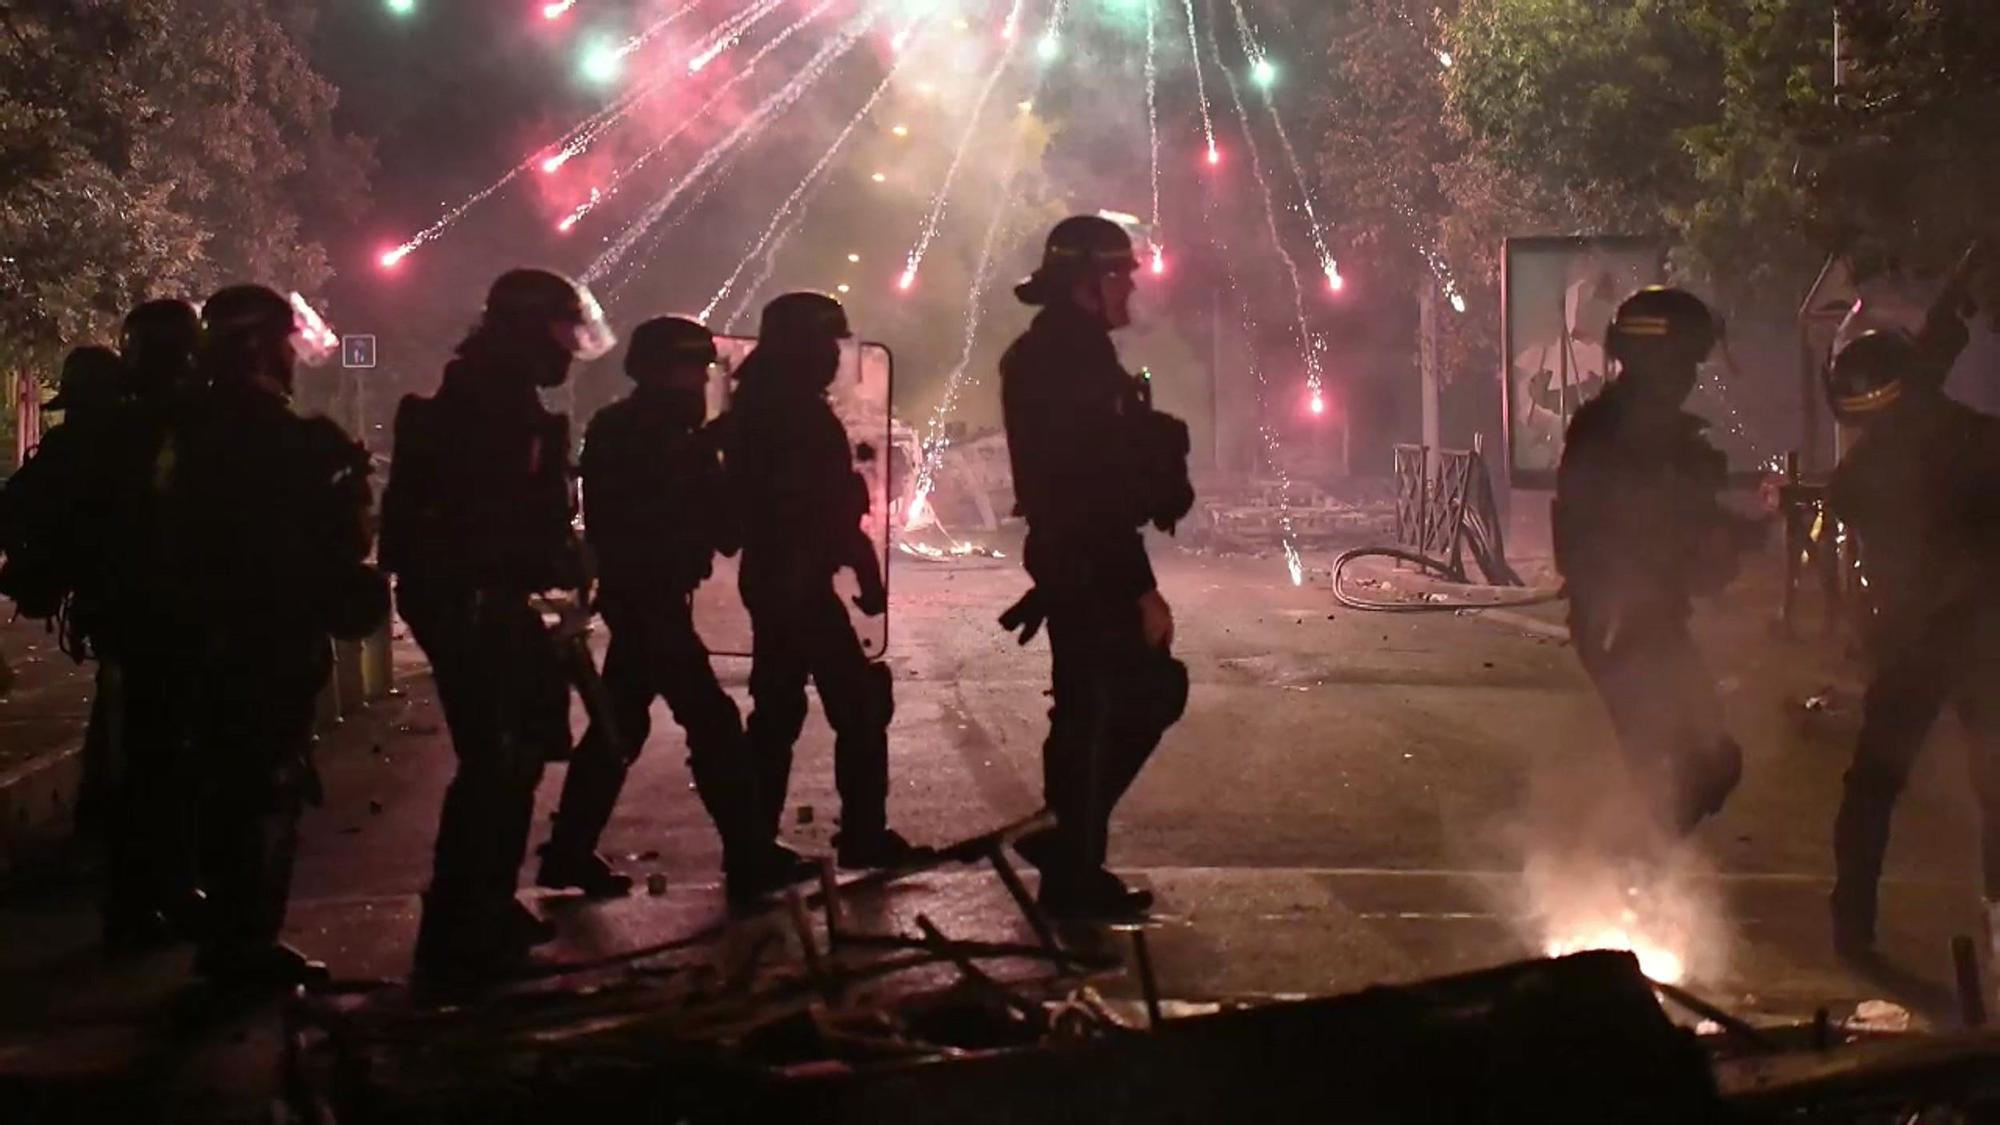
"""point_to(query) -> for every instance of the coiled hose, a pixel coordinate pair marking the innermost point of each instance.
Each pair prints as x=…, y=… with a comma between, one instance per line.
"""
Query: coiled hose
x=1524, y=597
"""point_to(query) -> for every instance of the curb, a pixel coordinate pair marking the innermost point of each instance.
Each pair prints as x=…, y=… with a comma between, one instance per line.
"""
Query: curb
x=37, y=809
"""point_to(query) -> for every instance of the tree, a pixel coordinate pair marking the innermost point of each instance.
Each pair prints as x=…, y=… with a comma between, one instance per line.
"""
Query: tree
x=158, y=147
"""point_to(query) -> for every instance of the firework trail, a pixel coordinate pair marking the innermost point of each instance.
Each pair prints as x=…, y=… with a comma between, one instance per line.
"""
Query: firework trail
x=1153, y=133
x=1308, y=344
x=808, y=75
x=1255, y=52
x=939, y=200
x=1200, y=87
x=771, y=237
x=721, y=92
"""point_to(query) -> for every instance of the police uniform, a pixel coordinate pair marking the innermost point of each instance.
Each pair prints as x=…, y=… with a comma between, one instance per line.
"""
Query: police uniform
x=655, y=516
x=1092, y=464
x=477, y=519
x=801, y=503
x=1920, y=490
x=268, y=532
x=1639, y=531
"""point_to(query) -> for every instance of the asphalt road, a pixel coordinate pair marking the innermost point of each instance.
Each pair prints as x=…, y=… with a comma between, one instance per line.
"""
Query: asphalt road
x=1352, y=799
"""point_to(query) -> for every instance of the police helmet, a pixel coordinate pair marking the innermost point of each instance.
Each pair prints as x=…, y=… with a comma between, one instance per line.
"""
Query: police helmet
x=1660, y=324
x=1867, y=374
x=92, y=376
x=1079, y=247
x=803, y=317
x=167, y=329
x=243, y=312
x=528, y=297
x=668, y=341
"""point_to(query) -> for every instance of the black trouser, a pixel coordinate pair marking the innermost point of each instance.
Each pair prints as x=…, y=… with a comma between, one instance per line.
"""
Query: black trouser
x=656, y=653
x=507, y=703
x=1955, y=663
x=800, y=634
x=1663, y=705
x=147, y=811
x=254, y=738
x=1115, y=696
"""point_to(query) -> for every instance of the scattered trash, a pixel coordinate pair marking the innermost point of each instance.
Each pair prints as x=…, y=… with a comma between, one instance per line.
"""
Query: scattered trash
x=656, y=884
x=1879, y=1015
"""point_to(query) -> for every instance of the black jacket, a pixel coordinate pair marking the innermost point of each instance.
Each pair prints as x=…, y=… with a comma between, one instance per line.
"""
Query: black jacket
x=479, y=492
x=1638, y=517
x=1920, y=489
x=655, y=512
x=1093, y=462
x=792, y=481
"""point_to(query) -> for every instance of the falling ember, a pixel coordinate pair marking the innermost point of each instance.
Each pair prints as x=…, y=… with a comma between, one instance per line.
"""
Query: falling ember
x=394, y=257
x=558, y=160
x=1318, y=405
x=556, y=10
x=1295, y=565
x=1159, y=261
x=1214, y=155
x=908, y=279
x=1334, y=281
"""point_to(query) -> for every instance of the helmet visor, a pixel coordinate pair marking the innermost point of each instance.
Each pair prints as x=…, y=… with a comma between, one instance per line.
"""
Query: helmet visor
x=593, y=337
x=312, y=340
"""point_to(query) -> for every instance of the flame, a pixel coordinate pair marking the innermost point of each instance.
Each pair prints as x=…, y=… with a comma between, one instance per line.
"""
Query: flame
x=1655, y=960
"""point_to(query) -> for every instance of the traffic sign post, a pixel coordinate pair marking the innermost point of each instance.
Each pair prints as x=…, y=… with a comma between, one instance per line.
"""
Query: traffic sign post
x=357, y=352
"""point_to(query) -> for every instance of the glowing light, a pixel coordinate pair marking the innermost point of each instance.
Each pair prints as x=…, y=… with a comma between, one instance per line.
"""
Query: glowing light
x=908, y=279
x=1263, y=73
x=556, y=10
x=1159, y=261
x=1656, y=961
x=1294, y=565
x=1214, y=156
x=391, y=259
x=901, y=130
x=1048, y=48
x=1457, y=303
x=1334, y=281
x=558, y=160
x=843, y=287
x=602, y=62
x=313, y=326
x=1027, y=107
x=1444, y=59
x=401, y=7
x=880, y=178
x=855, y=258
x=1318, y=404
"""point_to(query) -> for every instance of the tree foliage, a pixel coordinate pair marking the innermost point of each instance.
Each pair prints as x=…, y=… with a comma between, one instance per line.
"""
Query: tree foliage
x=159, y=147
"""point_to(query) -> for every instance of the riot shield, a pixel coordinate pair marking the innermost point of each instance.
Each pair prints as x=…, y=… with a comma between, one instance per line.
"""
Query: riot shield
x=860, y=396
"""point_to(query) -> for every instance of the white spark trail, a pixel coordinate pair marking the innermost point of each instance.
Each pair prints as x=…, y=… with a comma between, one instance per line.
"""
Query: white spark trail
x=928, y=233
x=808, y=75
x=1309, y=345
x=1254, y=50
x=716, y=98
x=1200, y=87
x=771, y=237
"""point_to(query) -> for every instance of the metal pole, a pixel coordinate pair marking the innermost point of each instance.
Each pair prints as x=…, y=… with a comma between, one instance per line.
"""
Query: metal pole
x=1215, y=381
x=1427, y=374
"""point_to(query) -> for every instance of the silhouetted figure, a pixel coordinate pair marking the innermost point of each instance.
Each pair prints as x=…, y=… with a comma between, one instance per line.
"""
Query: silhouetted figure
x=266, y=522
x=1639, y=531
x=475, y=521
x=802, y=504
x=656, y=514
x=1093, y=464
x=1920, y=490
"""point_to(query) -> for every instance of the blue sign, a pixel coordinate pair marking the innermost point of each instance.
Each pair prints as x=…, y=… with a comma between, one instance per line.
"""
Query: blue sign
x=357, y=351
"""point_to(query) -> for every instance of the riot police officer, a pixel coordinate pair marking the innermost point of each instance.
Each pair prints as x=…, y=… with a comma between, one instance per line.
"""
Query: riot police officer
x=269, y=530
x=476, y=520
x=655, y=517
x=792, y=476
x=159, y=343
x=1639, y=531
x=1920, y=490
x=1093, y=464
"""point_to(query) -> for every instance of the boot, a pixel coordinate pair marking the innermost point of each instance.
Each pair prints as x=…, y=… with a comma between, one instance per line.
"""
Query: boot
x=586, y=871
x=1093, y=896
x=769, y=868
x=884, y=847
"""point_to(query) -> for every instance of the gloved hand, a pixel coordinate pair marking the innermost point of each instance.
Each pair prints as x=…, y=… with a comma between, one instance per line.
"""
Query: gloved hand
x=1026, y=616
